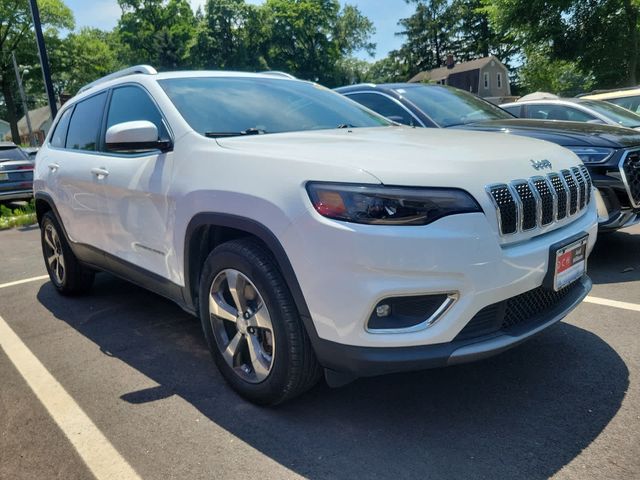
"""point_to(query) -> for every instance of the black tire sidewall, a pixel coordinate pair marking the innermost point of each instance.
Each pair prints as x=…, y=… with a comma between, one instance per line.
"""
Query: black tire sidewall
x=47, y=220
x=279, y=306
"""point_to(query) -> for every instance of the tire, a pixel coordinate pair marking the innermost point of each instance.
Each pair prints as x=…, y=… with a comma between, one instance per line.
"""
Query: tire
x=268, y=356
x=67, y=274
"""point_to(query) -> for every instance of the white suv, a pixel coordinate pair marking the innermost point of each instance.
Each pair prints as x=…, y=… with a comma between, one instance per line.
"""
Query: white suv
x=308, y=232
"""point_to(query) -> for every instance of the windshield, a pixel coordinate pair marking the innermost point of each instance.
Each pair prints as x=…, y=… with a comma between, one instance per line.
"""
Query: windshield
x=630, y=103
x=230, y=106
x=618, y=114
x=12, y=153
x=449, y=107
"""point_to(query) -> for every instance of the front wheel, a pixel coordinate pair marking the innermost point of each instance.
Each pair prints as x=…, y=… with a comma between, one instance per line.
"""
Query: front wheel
x=252, y=326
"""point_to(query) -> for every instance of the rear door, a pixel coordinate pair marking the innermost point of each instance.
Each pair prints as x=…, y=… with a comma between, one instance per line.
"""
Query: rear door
x=76, y=189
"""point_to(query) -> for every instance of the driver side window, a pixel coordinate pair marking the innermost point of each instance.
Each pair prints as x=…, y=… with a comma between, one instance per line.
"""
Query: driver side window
x=130, y=103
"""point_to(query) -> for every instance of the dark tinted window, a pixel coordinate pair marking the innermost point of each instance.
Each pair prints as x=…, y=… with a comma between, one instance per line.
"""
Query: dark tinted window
x=234, y=105
x=60, y=134
x=630, y=103
x=12, y=153
x=129, y=104
x=85, y=123
x=514, y=110
x=384, y=106
x=449, y=107
x=558, y=112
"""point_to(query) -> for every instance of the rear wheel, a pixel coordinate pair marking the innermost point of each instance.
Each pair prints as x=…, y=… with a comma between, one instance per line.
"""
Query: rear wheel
x=67, y=274
x=252, y=326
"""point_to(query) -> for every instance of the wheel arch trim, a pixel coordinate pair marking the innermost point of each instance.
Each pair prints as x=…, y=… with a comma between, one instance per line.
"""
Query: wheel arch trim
x=264, y=234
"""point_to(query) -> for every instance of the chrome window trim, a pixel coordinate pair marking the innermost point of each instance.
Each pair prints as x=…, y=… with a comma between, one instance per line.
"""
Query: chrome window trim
x=394, y=100
x=634, y=204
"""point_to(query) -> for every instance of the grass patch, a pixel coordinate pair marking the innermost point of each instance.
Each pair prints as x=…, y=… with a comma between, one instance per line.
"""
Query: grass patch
x=17, y=217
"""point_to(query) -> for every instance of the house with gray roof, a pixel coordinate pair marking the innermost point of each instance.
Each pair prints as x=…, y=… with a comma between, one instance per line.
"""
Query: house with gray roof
x=486, y=77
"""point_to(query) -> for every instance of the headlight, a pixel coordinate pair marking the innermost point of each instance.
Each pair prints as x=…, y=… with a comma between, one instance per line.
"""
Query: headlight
x=592, y=154
x=380, y=205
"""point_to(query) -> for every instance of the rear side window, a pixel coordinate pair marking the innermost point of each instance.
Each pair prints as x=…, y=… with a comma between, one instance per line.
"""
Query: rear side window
x=129, y=104
x=514, y=110
x=384, y=106
x=60, y=134
x=84, y=128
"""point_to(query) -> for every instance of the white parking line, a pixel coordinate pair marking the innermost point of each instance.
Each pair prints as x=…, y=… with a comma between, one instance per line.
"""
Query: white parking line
x=613, y=303
x=98, y=454
x=26, y=280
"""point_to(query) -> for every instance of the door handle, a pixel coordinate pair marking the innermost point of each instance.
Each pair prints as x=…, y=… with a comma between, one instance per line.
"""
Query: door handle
x=100, y=172
x=53, y=167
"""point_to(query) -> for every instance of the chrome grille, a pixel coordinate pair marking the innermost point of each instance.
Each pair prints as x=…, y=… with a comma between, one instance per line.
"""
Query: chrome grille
x=582, y=186
x=630, y=169
x=562, y=192
x=547, y=201
x=574, y=193
x=524, y=205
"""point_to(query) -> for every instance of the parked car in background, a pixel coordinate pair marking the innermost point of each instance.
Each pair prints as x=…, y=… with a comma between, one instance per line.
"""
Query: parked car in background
x=612, y=154
x=574, y=110
x=16, y=173
x=308, y=232
x=628, y=98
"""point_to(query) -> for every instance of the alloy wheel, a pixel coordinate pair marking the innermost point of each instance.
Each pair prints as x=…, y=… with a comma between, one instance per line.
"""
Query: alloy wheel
x=54, y=254
x=242, y=325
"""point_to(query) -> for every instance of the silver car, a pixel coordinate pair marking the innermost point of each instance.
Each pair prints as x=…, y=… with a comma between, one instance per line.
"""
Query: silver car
x=574, y=110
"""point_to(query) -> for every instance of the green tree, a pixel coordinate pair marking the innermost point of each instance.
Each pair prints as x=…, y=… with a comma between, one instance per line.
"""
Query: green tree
x=83, y=57
x=158, y=32
x=429, y=34
x=562, y=77
x=475, y=36
x=16, y=34
x=600, y=35
x=392, y=68
x=309, y=37
x=231, y=34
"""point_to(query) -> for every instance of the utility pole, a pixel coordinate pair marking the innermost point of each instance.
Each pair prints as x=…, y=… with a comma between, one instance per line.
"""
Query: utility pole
x=23, y=96
x=44, y=59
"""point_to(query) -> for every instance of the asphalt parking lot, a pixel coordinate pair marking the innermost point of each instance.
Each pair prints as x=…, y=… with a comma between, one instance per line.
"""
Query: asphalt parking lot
x=564, y=405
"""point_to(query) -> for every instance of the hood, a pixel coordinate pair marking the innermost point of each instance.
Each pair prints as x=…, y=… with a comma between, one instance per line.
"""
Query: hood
x=567, y=134
x=411, y=156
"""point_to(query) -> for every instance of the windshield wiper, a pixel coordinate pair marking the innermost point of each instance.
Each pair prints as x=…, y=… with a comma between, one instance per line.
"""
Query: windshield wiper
x=345, y=125
x=248, y=131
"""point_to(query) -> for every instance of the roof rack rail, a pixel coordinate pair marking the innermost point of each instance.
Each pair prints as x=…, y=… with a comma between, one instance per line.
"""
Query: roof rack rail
x=608, y=90
x=144, y=69
x=276, y=73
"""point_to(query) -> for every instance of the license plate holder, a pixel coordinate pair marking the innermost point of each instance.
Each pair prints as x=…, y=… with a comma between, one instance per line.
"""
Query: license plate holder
x=567, y=262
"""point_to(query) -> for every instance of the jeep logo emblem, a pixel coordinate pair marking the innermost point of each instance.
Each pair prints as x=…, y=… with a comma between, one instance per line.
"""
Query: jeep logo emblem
x=541, y=164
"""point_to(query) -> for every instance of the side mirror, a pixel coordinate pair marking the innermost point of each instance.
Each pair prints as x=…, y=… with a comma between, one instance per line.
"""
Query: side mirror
x=135, y=136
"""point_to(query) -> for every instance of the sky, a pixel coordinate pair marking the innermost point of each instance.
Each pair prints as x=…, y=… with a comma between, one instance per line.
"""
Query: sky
x=384, y=14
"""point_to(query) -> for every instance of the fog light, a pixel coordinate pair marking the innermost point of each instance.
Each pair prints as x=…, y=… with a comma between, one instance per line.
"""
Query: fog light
x=383, y=310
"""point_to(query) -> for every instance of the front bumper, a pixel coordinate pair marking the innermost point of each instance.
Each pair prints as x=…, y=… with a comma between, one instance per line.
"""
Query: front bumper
x=345, y=270
x=347, y=362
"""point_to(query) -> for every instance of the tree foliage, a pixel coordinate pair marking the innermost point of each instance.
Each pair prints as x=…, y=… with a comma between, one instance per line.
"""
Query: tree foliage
x=157, y=32
x=16, y=35
x=600, y=36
